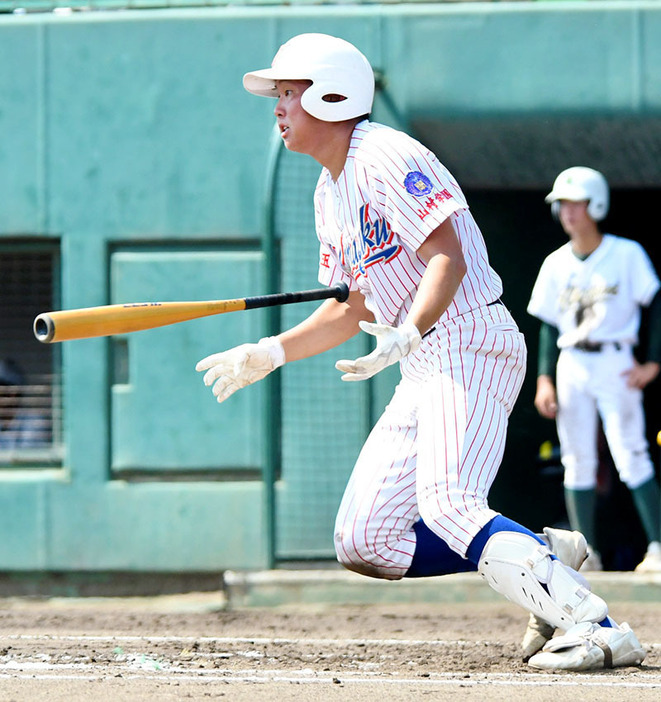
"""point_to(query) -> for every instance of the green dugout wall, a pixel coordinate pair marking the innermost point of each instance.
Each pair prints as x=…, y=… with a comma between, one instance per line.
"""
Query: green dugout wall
x=135, y=166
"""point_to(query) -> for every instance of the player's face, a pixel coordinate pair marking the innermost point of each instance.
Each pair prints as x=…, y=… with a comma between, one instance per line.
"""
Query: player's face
x=574, y=216
x=299, y=130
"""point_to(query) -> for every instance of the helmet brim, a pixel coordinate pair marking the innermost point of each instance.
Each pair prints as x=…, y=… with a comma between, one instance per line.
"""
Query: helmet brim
x=572, y=194
x=263, y=82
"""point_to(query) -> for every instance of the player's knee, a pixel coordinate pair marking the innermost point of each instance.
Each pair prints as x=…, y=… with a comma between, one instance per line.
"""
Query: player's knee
x=355, y=555
x=636, y=471
x=580, y=471
x=445, y=516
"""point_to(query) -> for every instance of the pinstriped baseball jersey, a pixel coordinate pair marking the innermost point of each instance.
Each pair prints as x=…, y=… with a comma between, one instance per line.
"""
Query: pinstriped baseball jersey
x=437, y=448
x=392, y=193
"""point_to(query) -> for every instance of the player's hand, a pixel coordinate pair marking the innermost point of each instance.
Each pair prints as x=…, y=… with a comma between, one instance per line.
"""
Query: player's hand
x=546, y=400
x=234, y=369
x=392, y=344
x=642, y=374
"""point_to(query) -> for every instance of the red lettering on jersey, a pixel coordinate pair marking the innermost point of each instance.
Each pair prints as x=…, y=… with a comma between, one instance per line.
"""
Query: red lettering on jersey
x=443, y=195
x=325, y=260
x=423, y=213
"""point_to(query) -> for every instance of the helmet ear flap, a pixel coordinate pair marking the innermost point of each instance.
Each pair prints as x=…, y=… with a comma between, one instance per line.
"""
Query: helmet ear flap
x=598, y=207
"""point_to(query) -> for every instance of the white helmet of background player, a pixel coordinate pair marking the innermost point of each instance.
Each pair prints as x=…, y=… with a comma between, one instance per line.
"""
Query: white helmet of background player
x=334, y=66
x=580, y=183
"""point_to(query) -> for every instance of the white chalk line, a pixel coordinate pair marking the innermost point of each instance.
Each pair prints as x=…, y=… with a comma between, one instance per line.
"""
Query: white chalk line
x=261, y=641
x=343, y=678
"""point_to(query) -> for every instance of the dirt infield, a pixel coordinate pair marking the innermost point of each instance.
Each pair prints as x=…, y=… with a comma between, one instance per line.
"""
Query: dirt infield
x=189, y=648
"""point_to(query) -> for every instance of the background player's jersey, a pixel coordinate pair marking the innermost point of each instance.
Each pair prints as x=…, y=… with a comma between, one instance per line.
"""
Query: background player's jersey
x=597, y=299
x=391, y=195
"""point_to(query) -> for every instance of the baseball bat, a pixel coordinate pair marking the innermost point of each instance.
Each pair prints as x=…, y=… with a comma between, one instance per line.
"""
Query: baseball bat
x=87, y=322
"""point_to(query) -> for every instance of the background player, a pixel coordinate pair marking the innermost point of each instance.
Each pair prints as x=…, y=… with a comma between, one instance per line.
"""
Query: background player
x=394, y=225
x=589, y=295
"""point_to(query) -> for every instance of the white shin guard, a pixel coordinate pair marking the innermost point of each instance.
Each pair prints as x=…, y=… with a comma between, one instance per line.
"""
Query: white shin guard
x=520, y=568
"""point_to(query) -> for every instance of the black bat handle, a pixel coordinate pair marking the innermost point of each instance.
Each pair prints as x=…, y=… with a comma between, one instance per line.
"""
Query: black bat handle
x=340, y=292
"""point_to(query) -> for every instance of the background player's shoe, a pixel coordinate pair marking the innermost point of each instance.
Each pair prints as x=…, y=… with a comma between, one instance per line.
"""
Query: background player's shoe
x=588, y=646
x=592, y=562
x=571, y=548
x=652, y=561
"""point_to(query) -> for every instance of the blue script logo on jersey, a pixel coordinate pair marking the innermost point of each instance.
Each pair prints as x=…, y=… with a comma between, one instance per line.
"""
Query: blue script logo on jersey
x=372, y=245
x=418, y=184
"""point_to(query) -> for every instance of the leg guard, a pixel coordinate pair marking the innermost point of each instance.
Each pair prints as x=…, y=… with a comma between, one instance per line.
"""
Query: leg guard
x=572, y=549
x=520, y=568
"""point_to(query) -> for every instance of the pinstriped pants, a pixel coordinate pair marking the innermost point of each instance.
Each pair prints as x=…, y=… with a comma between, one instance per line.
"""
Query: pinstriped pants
x=436, y=450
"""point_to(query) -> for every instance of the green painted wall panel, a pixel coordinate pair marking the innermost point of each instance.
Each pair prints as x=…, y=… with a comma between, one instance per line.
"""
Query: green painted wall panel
x=53, y=525
x=24, y=522
x=496, y=59
x=138, y=108
x=163, y=417
x=21, y=124
x=155, y=527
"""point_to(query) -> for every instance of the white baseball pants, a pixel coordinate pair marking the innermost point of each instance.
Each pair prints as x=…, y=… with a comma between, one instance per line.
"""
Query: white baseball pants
x=436, y=450
x=590, y=385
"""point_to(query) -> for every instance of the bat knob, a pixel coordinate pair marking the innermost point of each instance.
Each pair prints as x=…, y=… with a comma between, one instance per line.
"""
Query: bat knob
x=342, y=292
x=43, y=328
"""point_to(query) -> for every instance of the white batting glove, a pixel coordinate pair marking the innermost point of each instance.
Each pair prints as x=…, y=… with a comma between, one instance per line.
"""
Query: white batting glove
x=392, y=344
x=243, y=365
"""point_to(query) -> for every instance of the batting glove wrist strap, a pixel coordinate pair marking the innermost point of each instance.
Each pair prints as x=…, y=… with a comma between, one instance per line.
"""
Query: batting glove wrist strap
x=392, y=344
x=275, y=350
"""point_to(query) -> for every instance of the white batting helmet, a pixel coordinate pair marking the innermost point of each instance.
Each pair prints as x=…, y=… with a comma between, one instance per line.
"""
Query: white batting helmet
x=334, y=66
x=581, y=183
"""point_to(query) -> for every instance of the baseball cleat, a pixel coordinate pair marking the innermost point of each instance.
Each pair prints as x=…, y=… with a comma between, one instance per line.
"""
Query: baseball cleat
x=588, y=646
x=571, y=548
x=652, y=561
x=537, y=634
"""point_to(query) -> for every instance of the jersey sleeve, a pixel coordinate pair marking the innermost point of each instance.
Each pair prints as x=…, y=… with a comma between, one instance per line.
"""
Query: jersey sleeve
x=544, y=296
x=330, y=270
x=644, y=279
x=417, y=193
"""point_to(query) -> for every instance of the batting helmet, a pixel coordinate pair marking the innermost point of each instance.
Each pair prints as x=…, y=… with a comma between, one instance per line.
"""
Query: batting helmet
x=334, y=66
x=581, y=183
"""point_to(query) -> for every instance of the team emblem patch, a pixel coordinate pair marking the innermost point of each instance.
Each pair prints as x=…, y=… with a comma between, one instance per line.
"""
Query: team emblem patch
x=418, y=184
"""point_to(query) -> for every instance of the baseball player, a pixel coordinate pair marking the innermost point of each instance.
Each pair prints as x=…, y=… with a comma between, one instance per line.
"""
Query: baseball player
x=394, y=226
x=589, y=295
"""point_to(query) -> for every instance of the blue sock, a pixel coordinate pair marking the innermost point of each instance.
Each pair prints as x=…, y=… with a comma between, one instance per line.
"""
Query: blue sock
x=433, y=556
x=497, y=524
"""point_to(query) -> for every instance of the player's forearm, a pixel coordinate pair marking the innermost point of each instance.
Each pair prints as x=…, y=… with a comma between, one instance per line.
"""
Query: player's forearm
x=330, y=325
x=547, y=358
x=654, y=322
